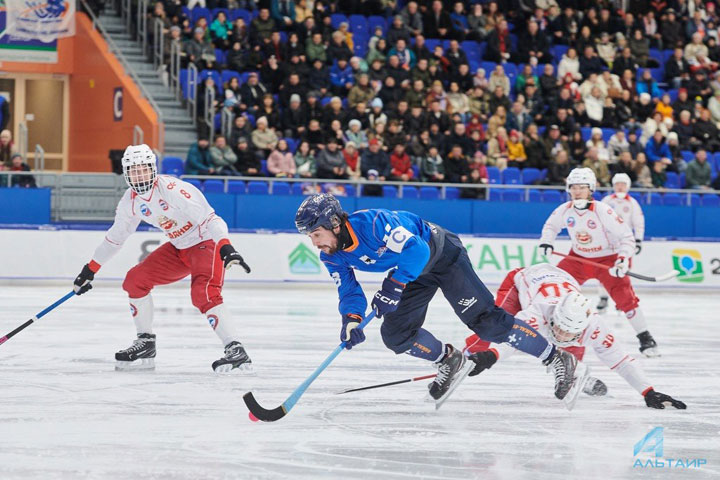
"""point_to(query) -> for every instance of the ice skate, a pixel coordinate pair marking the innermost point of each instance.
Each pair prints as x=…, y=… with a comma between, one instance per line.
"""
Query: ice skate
x=602, y=305
x=139, y=356
x=235, y=360
x=563, y=366
x=595, y=387
x=648, y=345
x=452, y=370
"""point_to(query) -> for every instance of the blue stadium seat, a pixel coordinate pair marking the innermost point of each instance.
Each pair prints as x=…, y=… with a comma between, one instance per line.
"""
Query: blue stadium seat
x=495, y=195
x=586, y=132
x=229, y=74
x=263, y=168
x=530, y=175
x=552, y=196
x=513, y=195
x=710, y=200
x=655, y=199
x=672, y=199
x=241, y=13
x=639, y=197
x=535, y=196
x=281, y=188
x=494, y=177
x=375, y=21
x=598, y=195
x=673, y=180
x=358, y=24
x=511, y=176
x=195, y=183
x=257, y=188
x=452, y=193
x=409, y=191
x=213, y=186
x=687, y=155
x=236, y=187
x=682, y=180
x=296, y=188
x=214, y=13
x=198, y=12
x=292, y=144
x=337, y=18
x=694, y=199
x=429, y=193
x=607, y=133
x=173, y=166
x=488, y=67
x=558, y=51
x=389, y=191
x=431, y=43
x=350, y=190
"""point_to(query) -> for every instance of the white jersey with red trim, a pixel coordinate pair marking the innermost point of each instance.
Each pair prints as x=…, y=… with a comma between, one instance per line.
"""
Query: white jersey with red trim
x=595, y=232
x=630, y=211
x=174, y=206
x=540, y=288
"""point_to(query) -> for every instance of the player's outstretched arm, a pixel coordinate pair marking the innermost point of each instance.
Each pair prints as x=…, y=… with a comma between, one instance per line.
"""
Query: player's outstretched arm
x=231, y=257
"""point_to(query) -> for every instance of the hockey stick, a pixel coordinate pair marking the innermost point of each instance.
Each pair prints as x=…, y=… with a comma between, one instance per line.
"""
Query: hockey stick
x=36, y=317
x=660, y=278
x=389, y=384
x=277, y=413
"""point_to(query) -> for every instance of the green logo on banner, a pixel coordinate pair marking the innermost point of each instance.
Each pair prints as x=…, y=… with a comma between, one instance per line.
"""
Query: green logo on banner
x=689, y=263
x=303, y=260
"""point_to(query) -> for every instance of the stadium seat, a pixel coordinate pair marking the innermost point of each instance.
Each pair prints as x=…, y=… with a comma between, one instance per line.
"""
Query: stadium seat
x=214, y=13
x=530, y=175
x=337, y=18
x=350, y=190
x=655, y=199
x=280, y=188
x=409, y=191
x=358, y=24
x=535, y=196
x=598, y=195
x=240, y=13
x=429, y=193
x=195, y=183
x=452, y=193
x=513, y=195
x=236, y=187
x=229, y=74
x=694, y=200
x=389, y=191
x=173, y=166
x=198, y=12
x=296, y=188
x=511, y=176
x=494, y=177
x=710, y=200
x=375, y=21
x=639, y=197
x=495, y=195
x=687, y=155
x=552, y=196
x=672, y=199
x=257, y=188
x=586, y=132
x=263, y=168
x=673, y=180
x=213, y=186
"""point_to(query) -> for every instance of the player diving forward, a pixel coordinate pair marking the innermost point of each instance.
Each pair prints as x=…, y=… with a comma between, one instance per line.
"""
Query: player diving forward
x=630, y=211
x=421, y=257
x=198, y=246
x=598, y=233
x=548, y=299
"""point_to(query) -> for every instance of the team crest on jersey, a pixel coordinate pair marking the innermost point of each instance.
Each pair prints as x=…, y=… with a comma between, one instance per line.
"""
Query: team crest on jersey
x=591, y=224
x=145, y=210
x=133, y=310
x=213, y=321
x=571, y=221
x=166, y=223
x=163, y=205
x=583, y=237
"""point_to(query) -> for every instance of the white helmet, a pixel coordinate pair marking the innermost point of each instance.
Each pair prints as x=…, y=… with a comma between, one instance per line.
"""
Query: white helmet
x=581, y=176
x=570, y=318
x=139, y=155
x=621, y=178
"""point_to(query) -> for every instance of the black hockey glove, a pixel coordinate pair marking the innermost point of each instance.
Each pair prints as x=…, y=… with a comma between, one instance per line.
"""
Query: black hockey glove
x=638, y=246
x=387, y=299
x=546, y=249
x=659, y=400
x=230, y=257
x=82, y=281
x=483, y=361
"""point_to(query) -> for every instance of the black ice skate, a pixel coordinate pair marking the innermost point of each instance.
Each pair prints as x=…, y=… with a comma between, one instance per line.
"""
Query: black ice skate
x=602, y=305
x=563, y=366
x=235, y=360
x=648, y=345
x=595, y=387
x=452, y=370
x=139, y=356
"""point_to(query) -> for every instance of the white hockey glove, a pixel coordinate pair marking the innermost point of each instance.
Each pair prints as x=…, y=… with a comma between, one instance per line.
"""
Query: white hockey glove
x=620, y=268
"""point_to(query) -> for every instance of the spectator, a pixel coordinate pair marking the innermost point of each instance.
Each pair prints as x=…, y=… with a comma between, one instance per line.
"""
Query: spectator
x=626, y=61
x=7, y=149
x=412, y=18
x=284, y=13
x=617, y=145
x=648, y=84
x=533, y=46
x=432, y=167
x=397, y=31
x=261, y=28
x=361, y=92
x=341, y=77
x=248, y=162
x=401, y=164
x=706, y=132
x=570, y=64
x=437, y=23
x=478, y=170
x=498, y=149
x=294, y=118
x=199, y=161
x=374, y=158
x=220, y=30
x=696, y=54
x=559, y=169
x=352, y=160
x=499, y=79
x=17, y=165
x=714, y=108
x=330, y=162
x=678, y=163
x=599, y=167
x=606, y=49
x=199, y=51
x=458, y=102
x=671, y=30
x=640, y=48
x=223, y=157
x=642, y=172
x=698, y=173
x=677, y=69
x=305, y=165
x=315, y=48
x=553, y=142
x=596, y=140
x=658, y=175
x=252, y=93
x=624, y=165
x=516, y=150
x=499, y=46
x=264, y=139
x=590, y=62
x=456, y=166
x=356, y=135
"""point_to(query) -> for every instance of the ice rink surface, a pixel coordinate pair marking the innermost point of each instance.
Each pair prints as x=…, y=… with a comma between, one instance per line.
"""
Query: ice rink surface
x=65, y=412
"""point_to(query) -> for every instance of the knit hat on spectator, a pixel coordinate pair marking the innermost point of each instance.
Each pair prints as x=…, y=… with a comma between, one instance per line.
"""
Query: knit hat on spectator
x=554, y=127
x=377, y=102
x=514, y=133
x=350, y=143
x=372, y=173
x=242, y=140
x=374, y=141
x=354, y=122
x=294, y=98
x=199, y=30
x=175, y=28
x=595, y=131
x=672, y=136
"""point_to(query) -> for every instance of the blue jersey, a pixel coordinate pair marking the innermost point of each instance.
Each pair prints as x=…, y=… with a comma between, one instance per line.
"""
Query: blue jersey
x=382, y=240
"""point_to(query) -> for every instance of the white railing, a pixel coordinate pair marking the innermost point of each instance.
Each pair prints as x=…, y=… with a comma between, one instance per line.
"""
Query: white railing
x=174, y=74
x=22, y=141
x=209, y=113
x=191, y=91
x=158, y=46
x=39, y=157
x=142, y=30
x=138, y=136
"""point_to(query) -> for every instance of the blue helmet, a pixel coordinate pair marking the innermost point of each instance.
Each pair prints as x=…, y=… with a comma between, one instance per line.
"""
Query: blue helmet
x=319, y=210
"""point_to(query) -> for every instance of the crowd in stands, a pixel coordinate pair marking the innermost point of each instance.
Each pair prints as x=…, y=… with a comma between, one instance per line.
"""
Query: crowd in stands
x=12, y=161
x=438, y=91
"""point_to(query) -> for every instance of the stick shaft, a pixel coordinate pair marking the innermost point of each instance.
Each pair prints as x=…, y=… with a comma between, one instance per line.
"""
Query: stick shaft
x=629, y=274
x=389, y=384
x=36, y=317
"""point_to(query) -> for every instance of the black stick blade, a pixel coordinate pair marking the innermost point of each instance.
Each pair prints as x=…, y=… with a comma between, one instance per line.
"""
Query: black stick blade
x=261, y=413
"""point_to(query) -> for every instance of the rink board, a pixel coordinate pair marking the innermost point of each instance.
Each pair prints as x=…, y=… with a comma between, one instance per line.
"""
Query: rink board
x=286, y=257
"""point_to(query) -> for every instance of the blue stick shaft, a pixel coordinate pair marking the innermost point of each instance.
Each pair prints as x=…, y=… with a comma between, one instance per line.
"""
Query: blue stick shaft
x=55, y=305
x=295, y=396
x=36, y=317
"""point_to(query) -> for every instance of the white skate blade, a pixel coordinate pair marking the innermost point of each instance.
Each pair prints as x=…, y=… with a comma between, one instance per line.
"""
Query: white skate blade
x=582, y=372
x=136, y=365
x=651, y=352
x=244, y=369
x=464, y=371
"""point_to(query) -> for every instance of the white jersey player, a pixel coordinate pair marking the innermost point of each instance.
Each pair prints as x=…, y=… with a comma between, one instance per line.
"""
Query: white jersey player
x=597, y=232
x=548, y=299
x=630, y=211
x=198, y=246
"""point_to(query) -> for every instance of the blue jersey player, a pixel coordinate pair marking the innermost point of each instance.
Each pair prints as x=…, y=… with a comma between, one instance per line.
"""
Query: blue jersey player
x=421, y=258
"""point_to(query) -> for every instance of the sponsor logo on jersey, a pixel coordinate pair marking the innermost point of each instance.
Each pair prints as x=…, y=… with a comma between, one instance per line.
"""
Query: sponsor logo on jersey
x=163, y=204
x=688, y=262
x=133, y=310
x=180, y=231
x=303, y=261
x=583, y=237
x=591, y=224
x=571, y=221
x=166, y=223
x=467, y=303
x=145, y=210
x=367, y=260
x=213, y=320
